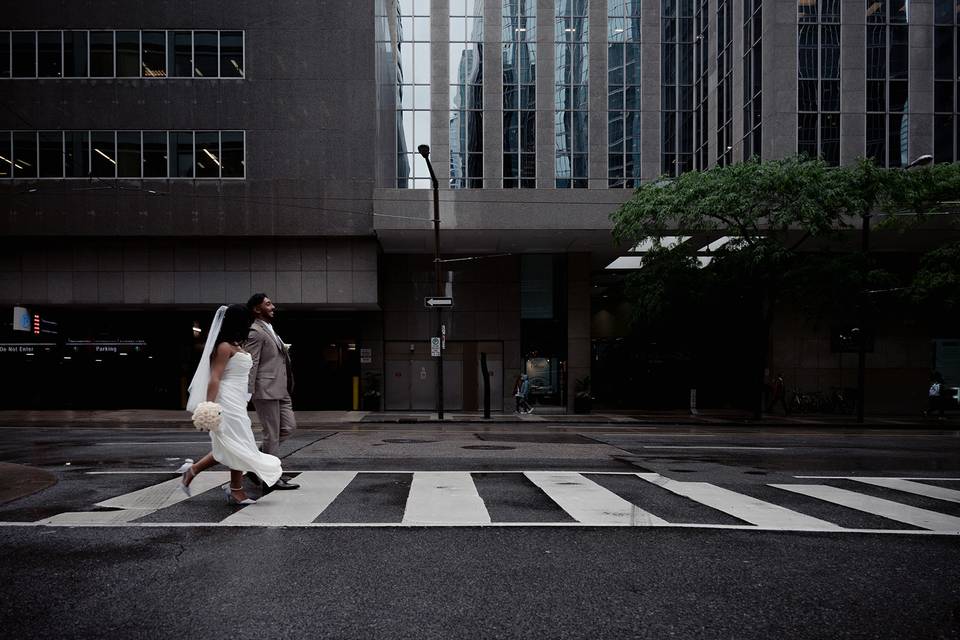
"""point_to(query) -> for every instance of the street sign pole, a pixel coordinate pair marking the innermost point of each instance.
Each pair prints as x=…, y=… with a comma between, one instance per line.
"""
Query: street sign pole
x=424, y=151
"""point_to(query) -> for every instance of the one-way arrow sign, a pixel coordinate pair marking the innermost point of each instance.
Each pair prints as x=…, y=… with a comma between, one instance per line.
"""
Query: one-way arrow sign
x=433, y=303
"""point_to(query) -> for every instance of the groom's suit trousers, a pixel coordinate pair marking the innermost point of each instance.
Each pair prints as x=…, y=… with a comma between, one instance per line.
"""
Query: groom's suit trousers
x=277, y=421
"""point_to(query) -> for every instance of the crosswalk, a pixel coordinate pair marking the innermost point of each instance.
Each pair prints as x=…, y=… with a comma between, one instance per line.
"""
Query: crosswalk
x=455, y=498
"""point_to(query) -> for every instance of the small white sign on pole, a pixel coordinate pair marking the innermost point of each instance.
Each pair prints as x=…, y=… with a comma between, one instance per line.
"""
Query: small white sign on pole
x=435, y=347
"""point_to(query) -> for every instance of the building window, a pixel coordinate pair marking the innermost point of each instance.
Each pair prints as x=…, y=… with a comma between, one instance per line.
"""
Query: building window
x=818, y=79
x=519, y=94
x=623, y=94
x=572, y=101
x=4, y=56
x=413, y=92
x=887, y=53
x=676, y=155
x=752, y=78
x=724, y=82
x=701, y=87
x=128, y=54
x=23, y=51
x=466, y=94
x=49, y=54
x=121, y=54
x=122, y=154
x=75, y=54
x=946, y=67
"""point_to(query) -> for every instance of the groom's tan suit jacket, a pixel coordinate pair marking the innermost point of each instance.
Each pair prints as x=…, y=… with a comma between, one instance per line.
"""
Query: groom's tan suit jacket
x=270, y=375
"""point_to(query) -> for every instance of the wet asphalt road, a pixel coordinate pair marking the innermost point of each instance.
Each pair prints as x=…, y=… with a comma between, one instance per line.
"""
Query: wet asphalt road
x=162, y=581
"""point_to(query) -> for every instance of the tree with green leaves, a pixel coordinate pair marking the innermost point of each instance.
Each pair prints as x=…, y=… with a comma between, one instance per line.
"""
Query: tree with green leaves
x=774, y=209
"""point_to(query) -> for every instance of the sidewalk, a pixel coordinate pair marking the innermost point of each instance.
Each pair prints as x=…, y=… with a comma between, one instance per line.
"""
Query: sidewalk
x=135, y=418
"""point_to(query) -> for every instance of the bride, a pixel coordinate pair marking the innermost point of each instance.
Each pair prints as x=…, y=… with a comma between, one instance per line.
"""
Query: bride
x=222, y=377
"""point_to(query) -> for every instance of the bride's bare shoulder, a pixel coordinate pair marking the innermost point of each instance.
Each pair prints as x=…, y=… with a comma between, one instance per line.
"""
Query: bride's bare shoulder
x=226, y=350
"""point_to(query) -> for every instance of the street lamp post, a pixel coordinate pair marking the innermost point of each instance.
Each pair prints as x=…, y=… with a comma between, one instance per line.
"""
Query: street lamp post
x=862, y=337
x=424, y=151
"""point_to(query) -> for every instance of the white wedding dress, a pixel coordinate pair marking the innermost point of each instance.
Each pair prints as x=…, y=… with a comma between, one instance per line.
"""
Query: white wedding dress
x=234, y=445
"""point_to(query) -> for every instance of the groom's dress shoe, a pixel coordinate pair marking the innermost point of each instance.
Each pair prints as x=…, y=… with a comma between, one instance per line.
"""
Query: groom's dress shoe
x=284, y=485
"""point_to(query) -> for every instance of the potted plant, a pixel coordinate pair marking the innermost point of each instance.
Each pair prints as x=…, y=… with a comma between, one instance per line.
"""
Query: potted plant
x=371, y=391
x=582, y=400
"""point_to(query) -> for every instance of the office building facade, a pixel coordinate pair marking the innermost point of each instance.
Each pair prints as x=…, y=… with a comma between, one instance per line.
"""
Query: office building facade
x=161, y=159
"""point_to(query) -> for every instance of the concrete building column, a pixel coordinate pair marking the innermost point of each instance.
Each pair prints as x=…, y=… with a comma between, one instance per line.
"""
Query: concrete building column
x=439, y=91
x=546, y=129
x=713, y=41
x=779, y=88
x=853, y=80
x=492, y=94
x=578, y=321
x=650, y=91
x=737, y=79
x=598, y=94
x=920, y=85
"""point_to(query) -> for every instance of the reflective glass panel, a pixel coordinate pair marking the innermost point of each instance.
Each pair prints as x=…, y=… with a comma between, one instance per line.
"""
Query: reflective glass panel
x=76, y=154
x=49, y=54
x=75, y=54
x=51, y=154
x=231, y=54
x=155, y=154
x=205, y=58
x=6, y=164
x=103, y=154
x=24, y=54
x=180, y=54
x=101, y=54
x=24, y=154
x=181, y=154
x=232, y=154
x=128, y=154
x=208, y=154
x=4, y=71
x=128, y=54
x=154, y=52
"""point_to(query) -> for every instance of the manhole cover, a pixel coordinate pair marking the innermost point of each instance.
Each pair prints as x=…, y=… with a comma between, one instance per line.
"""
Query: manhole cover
x=487, y=447
x=407, y=441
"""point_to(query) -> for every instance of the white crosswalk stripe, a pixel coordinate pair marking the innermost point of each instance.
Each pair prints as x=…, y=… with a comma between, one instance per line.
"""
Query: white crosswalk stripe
x=444, y=497
x=757, y=512
x=452, y=498
x=918, y=488
x=138, y=504
x=317, y=490
x=589, y=503
x=914, y=516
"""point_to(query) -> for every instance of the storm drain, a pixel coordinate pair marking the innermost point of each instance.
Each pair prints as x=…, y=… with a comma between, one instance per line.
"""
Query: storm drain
x=407, y=441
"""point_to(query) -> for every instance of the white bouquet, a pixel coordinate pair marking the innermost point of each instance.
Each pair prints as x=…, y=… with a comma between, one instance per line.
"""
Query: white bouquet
x=206, y=417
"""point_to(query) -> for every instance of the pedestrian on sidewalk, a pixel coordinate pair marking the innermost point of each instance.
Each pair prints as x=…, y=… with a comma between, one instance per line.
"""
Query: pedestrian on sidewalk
x=222, y=378
x=521, y=391
x=936, y=397
x=271, y=380
x=779, y=395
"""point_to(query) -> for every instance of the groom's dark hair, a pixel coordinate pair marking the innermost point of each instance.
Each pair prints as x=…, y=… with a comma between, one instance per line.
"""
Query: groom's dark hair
x=255, y=299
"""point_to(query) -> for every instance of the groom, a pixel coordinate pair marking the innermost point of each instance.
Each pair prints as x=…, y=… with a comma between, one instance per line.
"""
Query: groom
x=271, y=380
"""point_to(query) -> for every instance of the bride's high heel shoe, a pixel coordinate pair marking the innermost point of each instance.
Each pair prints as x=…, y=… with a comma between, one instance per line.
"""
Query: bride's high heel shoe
x=231, y=500
x=186, y=468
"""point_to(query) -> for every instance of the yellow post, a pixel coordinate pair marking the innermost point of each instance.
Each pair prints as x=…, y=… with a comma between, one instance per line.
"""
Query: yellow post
x=356, y=393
